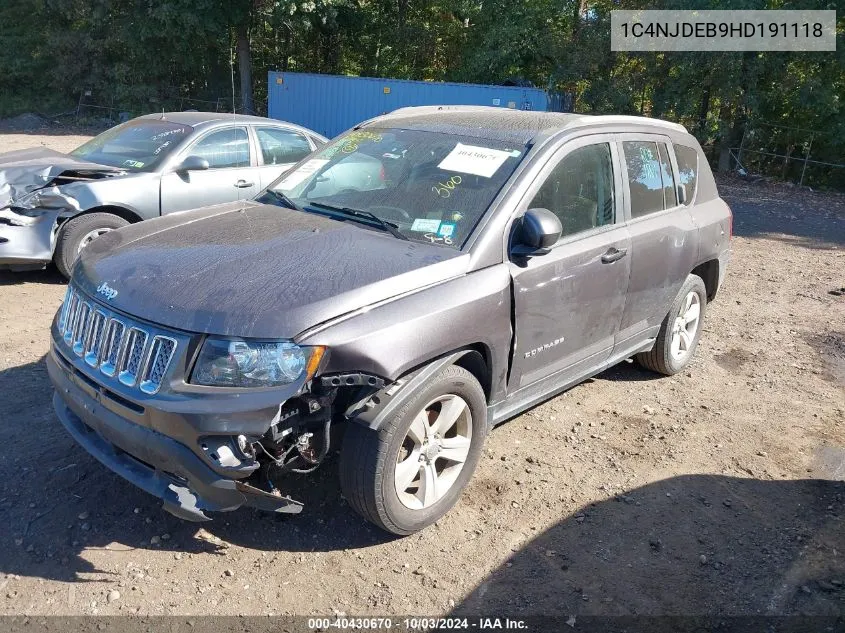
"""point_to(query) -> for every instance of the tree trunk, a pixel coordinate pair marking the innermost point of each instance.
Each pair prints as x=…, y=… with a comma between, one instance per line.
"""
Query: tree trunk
x=704, y=110
x=245, y=69
x=725, y=129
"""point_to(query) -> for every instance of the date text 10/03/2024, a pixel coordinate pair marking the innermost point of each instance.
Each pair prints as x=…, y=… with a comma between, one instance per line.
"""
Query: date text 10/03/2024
x=417, y=624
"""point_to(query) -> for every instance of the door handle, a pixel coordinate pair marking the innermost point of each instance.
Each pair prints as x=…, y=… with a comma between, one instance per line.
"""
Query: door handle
x=613, y=255
x=243, y=184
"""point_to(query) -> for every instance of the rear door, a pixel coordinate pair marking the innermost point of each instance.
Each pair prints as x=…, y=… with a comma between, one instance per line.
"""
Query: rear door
x=569, y=303
x=663, y=235
x=231, y=175
x=279, y=148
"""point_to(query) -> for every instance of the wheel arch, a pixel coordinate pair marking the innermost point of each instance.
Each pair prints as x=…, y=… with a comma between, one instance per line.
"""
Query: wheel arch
x=372, y=408
x=709, y=273
x=121, y=211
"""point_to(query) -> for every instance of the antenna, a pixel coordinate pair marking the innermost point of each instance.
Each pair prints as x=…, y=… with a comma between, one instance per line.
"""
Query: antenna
x=232, y=69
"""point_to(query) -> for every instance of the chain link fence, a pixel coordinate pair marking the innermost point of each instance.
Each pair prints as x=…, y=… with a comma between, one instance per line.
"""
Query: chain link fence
x=786, y=153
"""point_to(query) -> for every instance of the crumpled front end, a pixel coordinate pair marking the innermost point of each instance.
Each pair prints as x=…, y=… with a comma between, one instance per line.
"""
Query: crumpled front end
x=34, y=202
x=154, y=462
x=28, y=235
x=122, y=390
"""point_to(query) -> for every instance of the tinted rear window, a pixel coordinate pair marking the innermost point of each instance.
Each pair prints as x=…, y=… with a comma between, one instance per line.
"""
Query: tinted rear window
x=670, y=195
x=650, y=178
x=687, y=169
x=646, y=186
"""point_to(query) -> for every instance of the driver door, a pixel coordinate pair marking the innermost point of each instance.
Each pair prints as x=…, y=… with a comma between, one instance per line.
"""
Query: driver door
x=230, y=176
x=569, y=302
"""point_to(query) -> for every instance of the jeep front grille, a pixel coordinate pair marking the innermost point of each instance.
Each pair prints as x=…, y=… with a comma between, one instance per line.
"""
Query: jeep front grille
x=115, y=345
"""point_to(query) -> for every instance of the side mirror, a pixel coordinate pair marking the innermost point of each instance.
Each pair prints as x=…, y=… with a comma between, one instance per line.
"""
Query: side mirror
x=539, y=230
x=193, y=163
x=682, y=194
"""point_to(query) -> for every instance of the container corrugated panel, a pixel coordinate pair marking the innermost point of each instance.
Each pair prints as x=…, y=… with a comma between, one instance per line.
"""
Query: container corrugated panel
x=331, y=104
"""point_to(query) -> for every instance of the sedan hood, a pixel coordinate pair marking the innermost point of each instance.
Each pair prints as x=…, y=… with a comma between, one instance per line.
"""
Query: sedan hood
x=28, y=170
x=255, y=270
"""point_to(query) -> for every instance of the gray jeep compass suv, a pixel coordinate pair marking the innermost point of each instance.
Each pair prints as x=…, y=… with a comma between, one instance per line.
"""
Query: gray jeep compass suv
x=421, y=278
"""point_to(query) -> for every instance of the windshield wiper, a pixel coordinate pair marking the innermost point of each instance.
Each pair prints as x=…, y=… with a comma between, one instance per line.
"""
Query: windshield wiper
x=290, y=204
x=360, y=214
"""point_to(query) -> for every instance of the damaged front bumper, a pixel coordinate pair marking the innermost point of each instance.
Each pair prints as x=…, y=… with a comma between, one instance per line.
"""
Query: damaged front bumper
x=156, y=463
x=28, y=225
x=27, y=242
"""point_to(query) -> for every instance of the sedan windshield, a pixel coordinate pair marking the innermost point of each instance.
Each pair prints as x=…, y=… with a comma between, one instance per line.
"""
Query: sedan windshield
x=431, y=187
x=135, y=145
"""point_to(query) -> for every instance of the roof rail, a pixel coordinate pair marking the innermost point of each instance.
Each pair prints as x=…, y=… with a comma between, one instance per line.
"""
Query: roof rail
x=440, y=108
x=621, y=118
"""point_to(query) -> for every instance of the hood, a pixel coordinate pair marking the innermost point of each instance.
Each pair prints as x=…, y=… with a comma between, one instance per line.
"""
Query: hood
x=255, y=270
x=25, y=171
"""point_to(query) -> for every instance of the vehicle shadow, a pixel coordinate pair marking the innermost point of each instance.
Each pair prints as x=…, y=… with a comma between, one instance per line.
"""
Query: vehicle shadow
x=688, y=545
x=47, y=276
x=628, y=371
x=48, y=482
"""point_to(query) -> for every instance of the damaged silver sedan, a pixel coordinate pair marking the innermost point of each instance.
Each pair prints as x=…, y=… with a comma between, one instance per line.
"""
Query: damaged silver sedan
x=52, y=205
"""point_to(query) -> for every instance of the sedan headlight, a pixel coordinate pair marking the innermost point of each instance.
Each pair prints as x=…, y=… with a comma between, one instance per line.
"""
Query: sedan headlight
x=239, y=363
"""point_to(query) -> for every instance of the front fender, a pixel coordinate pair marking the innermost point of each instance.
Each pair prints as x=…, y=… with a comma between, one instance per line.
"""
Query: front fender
x=137, y=193
x=395, y=337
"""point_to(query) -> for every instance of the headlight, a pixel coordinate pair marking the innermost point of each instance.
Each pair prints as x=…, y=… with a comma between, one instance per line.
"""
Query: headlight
x=239, y=363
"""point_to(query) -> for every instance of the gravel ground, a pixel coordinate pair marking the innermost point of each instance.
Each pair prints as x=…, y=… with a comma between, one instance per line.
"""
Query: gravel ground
x=717, y=491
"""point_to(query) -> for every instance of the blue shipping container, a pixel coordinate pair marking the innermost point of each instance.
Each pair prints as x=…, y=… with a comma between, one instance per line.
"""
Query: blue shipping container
x=331, y=104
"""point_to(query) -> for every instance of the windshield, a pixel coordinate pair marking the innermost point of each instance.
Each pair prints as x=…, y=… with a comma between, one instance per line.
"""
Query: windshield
x=136, y=145
x=432, y=187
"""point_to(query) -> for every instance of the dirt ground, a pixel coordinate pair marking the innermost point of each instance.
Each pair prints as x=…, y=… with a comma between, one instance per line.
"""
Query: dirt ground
x=717, y=491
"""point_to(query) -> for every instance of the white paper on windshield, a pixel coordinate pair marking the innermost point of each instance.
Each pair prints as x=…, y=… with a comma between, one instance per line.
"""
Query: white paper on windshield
x=472, y=159
x=295, y=177
x=424, y=225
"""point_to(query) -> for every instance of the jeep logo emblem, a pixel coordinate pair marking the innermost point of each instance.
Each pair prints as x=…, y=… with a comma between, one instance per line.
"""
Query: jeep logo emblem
x=107, y=291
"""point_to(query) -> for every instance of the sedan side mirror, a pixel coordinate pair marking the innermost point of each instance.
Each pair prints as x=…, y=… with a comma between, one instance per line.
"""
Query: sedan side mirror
x=193, y=163
x=682, y=194
x=539, y=230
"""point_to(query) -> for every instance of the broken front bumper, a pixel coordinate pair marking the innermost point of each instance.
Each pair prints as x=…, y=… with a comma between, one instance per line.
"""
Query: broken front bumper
x=154, y=462
x=26, y=242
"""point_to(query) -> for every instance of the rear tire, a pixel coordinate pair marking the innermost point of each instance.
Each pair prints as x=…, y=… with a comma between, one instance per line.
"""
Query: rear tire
x=438, y=456
x=76, y=233
x=679, y=333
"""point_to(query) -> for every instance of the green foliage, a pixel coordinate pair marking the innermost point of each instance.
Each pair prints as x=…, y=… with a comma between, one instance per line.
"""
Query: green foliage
x=146, y=55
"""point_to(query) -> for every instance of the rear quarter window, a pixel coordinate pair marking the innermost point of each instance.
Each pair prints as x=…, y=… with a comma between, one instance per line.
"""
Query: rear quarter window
x=644, y=178
x=687, y=170
x=650, y=179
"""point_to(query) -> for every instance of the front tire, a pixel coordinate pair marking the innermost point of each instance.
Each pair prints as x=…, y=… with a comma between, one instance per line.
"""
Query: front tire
x=411, y=471
x=678, y=336
x=76, y=234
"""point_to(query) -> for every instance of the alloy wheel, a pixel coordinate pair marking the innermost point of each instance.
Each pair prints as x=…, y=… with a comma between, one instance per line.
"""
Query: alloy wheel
x=433, y=452
x=685, y=326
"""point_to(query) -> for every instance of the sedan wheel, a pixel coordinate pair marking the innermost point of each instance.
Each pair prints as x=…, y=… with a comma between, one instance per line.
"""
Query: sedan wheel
x=77, y=233
x=89, y=237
